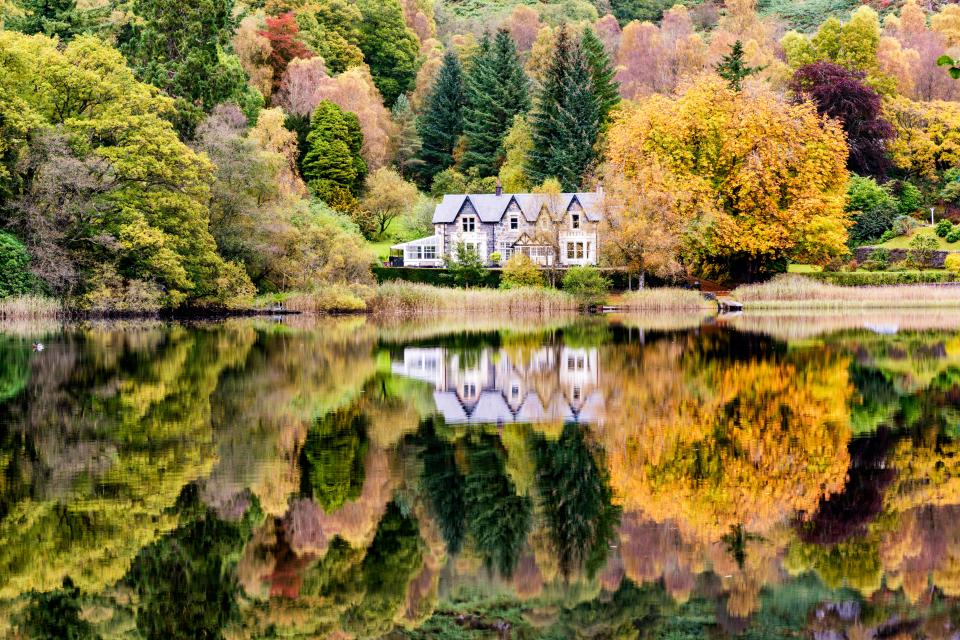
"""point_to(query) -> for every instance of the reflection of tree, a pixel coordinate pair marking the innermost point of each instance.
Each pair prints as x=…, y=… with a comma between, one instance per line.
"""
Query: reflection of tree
x=185, y=582
x=390, y=564
x=332, y=459
x=714, y=431
x=498, y=520
x=14, y=367
x=55, y=615
x=575, y=496
x=444, y=486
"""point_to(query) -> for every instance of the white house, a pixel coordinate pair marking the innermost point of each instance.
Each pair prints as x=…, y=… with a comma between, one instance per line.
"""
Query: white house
x=560, y=230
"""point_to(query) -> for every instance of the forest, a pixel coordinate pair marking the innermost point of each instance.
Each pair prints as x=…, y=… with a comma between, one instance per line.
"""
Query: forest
x=156, y=154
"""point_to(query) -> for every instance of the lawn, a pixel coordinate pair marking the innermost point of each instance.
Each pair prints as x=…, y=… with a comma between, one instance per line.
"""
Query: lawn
x=903, y=242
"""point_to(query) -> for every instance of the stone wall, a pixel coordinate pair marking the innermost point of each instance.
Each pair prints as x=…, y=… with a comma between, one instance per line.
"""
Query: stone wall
x=862, y=254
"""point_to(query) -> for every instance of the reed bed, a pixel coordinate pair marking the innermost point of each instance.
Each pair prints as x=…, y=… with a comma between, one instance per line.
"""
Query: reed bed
x=804, y=324
x=30, y=308
x=797, y=292
x=665, y=299
x=407, y=298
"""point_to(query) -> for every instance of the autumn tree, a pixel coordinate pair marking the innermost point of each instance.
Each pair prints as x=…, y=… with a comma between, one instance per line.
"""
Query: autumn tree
x=254, y=52
x=388, y=196
x=441, y=123
x=841, y=94
x=496, y=90
x=332, y=30
x=654, y=59
x=747, y=202
x=389, y=47
x=565, y=121
x=111, y=198
x=282, y=33
x=517, y=147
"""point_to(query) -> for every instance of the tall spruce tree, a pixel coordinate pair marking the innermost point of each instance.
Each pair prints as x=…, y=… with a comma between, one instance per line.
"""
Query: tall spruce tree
x=565, y=121
x=733, y=67
x=497, y=90
x=408, y=138
x=333, y=150
x=59, y=18
x=441, y=124
x=606, y=90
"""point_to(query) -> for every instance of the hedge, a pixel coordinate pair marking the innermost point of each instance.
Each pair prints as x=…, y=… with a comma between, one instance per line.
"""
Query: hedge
x=436, y=277
x=882, y=278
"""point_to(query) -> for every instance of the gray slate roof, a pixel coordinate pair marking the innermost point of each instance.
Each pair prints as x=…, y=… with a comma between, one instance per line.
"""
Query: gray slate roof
x=490, y=207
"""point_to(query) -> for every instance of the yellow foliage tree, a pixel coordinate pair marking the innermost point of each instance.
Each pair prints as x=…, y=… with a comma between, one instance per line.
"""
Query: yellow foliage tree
x=754, y=180
x=928, y=136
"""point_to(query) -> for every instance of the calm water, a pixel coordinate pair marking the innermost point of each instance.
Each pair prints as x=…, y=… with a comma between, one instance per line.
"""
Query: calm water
x=759, y=477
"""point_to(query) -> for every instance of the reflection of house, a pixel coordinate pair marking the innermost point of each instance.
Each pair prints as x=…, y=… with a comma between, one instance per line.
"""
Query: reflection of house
x=553, y=230
x=487, y=387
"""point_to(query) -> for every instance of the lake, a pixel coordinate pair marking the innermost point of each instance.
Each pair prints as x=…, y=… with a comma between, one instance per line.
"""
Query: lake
x=754, y=476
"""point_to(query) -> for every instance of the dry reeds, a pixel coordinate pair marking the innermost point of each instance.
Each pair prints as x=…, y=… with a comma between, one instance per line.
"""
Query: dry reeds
x=797, y=292
x=30, y=307
x=665, y=299
x=404, y=298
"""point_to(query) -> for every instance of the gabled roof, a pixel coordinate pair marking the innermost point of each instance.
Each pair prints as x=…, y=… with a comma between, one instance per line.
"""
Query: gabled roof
x=491, y=207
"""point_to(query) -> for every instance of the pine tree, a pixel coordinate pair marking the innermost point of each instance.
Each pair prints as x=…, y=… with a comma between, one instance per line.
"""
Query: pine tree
x=605, y=88
x=497, y=90
x=60, y=18
x=408, y=138
x=733, y=69
x=565, y=121
x=441, y=123
x=331, y=144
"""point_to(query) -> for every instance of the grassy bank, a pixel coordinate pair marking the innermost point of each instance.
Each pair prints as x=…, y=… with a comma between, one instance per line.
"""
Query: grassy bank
x=30, y=308
x=798, y=292
x=665, y=299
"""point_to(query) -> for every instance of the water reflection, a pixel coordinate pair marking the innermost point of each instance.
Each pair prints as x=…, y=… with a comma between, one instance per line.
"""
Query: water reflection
x=558, y=479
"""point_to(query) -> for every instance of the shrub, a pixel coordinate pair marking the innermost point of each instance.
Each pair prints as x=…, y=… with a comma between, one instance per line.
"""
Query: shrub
x=495, y=257
x=15, y=277
x=878, y=260
x=952, y=263
x=521, y=271
x=908, y=195
x=903, y=225
x=895, y=275
x=943, y=228
x=587, y=284
x=953, y=236
x=873, y=208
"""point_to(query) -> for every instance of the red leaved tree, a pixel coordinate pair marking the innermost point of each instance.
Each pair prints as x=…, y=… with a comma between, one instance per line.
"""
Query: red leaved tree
x=282, y=32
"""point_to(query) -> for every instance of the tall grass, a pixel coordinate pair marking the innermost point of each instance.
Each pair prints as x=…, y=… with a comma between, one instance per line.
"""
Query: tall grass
x=410, y=298
x=797, y=292
x=30, y=307
x=665, y=299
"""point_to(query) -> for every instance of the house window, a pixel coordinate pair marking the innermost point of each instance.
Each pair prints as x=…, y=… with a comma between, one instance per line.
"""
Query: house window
x=469, y=224
x=515, y=392
x=577, y=393
x=469, y=390
x=514, y=223
x=430, y=252
x=414, y=253
x=575, y=220
x=571, y=363
x=575, y=250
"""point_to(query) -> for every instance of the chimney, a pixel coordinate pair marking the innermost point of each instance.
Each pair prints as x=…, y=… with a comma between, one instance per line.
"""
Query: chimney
x=499, y=187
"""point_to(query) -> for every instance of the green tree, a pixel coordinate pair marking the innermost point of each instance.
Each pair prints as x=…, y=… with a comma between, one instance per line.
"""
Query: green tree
x=56, y=616
x=407, y=140
x=497, y=90
x=872, y=207
x=441, y=123
x=565, y=121
x=389, y=47
x=466, y=267
x=606, y=90
x=734, y=69
x=332, y=29
x=443, y=484
x=182, y=48
x=60, y=18
x=333, y=151
x=15, y=278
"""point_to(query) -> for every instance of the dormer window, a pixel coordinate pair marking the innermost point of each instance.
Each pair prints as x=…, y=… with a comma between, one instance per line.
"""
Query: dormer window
x=575, y=220
x=469, y=224
x=514, y=223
